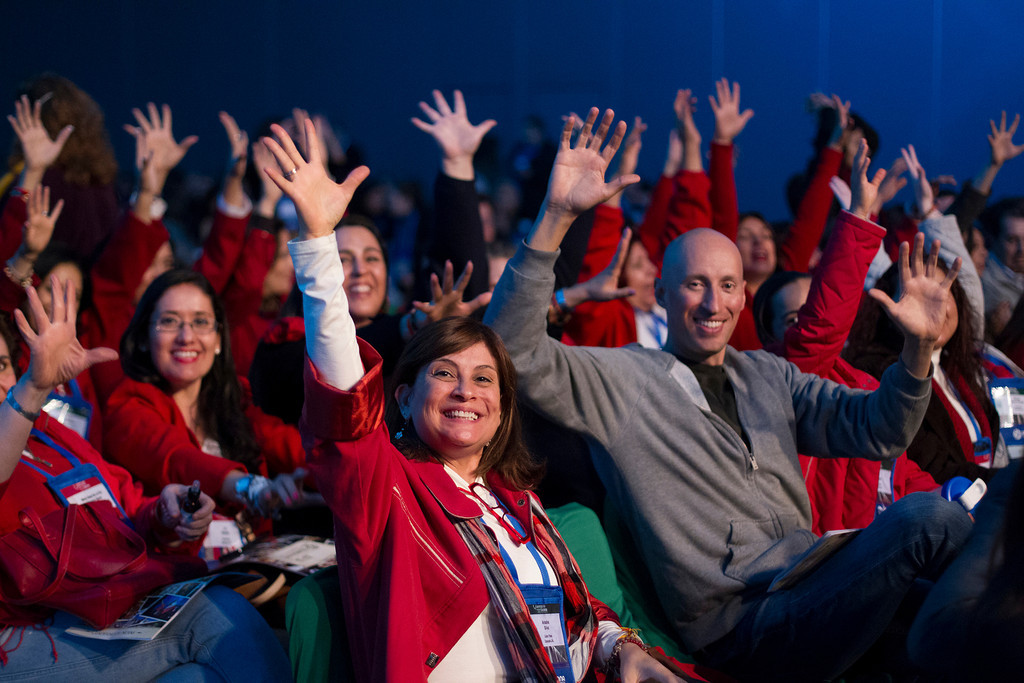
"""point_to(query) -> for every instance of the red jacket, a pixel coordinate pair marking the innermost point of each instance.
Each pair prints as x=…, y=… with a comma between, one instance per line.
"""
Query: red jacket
x=410, y=587
x=148, y=435
x=843, y=491
x=243, y=297
x=795, y=250
x=677, y=205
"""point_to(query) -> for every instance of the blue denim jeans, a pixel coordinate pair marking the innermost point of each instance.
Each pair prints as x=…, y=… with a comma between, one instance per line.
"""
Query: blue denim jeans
x=218, y=637
x=818, y=628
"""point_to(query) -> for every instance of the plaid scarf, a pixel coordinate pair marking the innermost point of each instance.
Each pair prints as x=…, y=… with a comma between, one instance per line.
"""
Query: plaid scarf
x=528, y=653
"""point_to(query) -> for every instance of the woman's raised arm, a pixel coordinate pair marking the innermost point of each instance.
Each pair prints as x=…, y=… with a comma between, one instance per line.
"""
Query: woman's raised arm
x=321, y=203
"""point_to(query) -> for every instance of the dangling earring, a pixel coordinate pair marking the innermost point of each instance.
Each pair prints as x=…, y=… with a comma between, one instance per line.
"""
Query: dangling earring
x=401, y=430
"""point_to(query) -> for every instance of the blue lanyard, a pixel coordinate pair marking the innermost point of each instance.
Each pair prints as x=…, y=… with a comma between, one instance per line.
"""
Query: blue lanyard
x=75, y=462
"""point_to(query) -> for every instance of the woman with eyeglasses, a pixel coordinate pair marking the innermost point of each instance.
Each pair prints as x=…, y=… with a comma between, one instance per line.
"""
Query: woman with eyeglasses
x=183, y=414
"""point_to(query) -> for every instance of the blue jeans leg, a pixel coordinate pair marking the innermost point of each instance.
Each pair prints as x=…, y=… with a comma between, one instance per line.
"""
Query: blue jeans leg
x=818, y=628
x=219, y=637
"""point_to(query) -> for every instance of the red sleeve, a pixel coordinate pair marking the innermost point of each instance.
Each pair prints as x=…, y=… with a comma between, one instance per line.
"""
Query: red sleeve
x=688, y=208
x=146, y=434
x=243, y=297
x=904, y=231
x=814, y=343
x=221, y=250
x=725, y=212
x=744, y=337
x=604, y=240
x=11, y=221
x=812, y=214
x=117, y=274
x=602, y=323
x=649, y=231
x=909, y=477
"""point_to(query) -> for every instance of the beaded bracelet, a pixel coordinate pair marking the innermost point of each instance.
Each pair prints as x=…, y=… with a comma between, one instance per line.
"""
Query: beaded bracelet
x=629, y=635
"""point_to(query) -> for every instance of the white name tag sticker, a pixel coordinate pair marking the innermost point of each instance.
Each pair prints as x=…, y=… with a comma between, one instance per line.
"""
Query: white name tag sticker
x=92, y=494
x=224, y=536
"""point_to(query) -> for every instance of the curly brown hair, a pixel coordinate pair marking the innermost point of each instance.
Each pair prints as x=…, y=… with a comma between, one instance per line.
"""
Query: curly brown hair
x=87, y=157
x=506, y=454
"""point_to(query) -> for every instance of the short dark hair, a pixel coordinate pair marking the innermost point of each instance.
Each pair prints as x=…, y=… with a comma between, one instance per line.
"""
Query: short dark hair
x=764, y=302
x=506, y=453
x=221, y=407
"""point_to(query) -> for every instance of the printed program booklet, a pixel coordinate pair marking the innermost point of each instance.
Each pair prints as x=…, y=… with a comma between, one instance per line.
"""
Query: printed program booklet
x=150, y=615
x=291, y=553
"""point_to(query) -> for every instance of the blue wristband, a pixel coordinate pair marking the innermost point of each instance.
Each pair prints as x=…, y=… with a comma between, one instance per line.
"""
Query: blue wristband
x=31, y=417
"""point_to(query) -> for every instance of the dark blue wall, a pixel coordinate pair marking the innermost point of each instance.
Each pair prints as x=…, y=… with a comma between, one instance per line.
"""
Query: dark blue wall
x=925, y=72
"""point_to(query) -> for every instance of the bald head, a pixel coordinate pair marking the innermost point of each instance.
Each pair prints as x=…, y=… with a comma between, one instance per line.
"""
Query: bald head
x=701, y=288
x=704, y=241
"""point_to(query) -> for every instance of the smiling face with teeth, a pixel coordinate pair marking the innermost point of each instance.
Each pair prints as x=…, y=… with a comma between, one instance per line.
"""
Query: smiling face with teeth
x=366, y=273
x=701, y=289
x=455, y=406
x=183, y=357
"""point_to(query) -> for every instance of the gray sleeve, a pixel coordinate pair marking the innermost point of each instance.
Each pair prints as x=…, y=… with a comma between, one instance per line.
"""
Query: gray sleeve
x=945, y=229
x=833, y=420
x=576, y=387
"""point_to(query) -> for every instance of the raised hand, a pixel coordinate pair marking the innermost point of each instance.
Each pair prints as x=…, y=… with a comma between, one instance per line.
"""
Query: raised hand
x=685, y=106
x=923, y=193
x=841, y=131
x=56, y=354
x=38, y=228
x=446, y=299
x=729, y=121
x=454, y=134
x=163, y=152
x=891, y=185
x=577, y=177
x=320, y=201
x=605, y=285
x=673, y=154
x=1001, y=140
x=238, y=140
x=39, y=150
x=629, y=157
x=270, y=193
x=922, y=308
x=863, y=192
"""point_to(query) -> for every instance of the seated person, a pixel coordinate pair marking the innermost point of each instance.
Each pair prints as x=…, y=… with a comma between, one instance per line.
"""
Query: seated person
x=448, y=564
x=697, y=445
x=219, y=635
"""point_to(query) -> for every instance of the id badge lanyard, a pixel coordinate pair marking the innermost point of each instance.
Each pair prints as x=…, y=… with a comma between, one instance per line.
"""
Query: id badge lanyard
x=82, y=484
x=983, y=446
x=71, y=410
x=544, y=602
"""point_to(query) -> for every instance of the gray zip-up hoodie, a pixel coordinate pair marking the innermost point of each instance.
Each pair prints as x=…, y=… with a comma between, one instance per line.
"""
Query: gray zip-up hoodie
x=714, y=521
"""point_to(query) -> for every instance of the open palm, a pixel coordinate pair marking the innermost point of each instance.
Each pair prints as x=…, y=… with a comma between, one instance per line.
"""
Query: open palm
x=320, y=201
x=577, y=177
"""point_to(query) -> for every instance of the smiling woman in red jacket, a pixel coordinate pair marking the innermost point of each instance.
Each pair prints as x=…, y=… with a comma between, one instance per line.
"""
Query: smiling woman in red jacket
x=183, y=414
x=448, y=564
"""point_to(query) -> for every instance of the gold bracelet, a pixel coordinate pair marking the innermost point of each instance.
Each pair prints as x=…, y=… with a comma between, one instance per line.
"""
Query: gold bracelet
x=629, y=635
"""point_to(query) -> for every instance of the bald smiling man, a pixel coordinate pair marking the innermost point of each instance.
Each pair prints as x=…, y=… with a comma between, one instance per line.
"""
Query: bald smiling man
x=697, y=446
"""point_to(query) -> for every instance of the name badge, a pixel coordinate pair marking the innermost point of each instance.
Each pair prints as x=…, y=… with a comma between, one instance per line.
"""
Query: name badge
x=73, y=412
x=545, y=606
x=223, y=537
x=82, y=484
